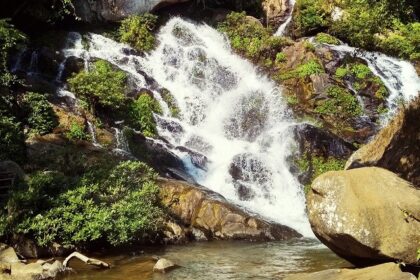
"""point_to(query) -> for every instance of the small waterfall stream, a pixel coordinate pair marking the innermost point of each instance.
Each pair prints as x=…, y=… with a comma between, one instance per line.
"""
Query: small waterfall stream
x=282, y=28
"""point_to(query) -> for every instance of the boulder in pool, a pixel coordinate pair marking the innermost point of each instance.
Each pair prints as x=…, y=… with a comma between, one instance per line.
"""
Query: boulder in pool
x=367, y=215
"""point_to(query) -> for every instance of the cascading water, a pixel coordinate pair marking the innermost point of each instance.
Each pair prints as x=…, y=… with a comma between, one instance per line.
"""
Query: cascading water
x=229, y=113
x=399, y=76
x=282, y=28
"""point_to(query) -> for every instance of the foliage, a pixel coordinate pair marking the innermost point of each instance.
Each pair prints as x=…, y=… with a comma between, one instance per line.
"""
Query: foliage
x=141, y=112
x=137, y=31
x=77, y=132
x=317, y=165
x=311, y=16
x=171, y=102
x=40, y=114
x=340, y=103
x=325, y=38
x=280, y=57
x=311, y=67
x=251, y=39
x=112, y=204
x=10, y=39
x=101, y=86
x=12, y=139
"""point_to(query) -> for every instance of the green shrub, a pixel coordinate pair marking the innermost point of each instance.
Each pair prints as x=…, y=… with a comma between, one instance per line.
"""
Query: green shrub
x=280, y=57
x=325, y=38
x=77, y=132
x=341, y=72
x=340, y=103
x=12, y=139
x=172, y=104
x=137, y=31
x=311, y=16
x=10, y=39
x=251, y=39
x=101, y=86
x=41, y=117
x=117, y=205
x=141, y=112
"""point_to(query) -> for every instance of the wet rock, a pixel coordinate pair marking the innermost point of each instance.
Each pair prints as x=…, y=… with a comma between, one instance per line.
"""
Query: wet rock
x=366, y=215
x=387, y=271
x=247, y=170
x=164, y=265
x=72, y=65
x=198, y=235
x=276, y=11
x=197, y=207
x=197, y=159
x=115, y=10
x=396, y=147
x=174, y=233
x=320, y=142
x=27, y=248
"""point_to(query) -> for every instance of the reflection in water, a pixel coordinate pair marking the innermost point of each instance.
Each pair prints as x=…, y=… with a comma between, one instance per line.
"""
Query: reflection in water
x=222, y=260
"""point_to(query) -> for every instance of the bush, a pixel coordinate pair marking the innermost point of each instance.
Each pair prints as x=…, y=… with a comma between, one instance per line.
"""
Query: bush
x=251, y=39
x=325, y=38
x=141, y=112
x=77, y=132
x=40, y=115
x=10, y=39
x=102, y=86
x=116, y=205
x=311, y=16
x=12, y=139
x=137, y=31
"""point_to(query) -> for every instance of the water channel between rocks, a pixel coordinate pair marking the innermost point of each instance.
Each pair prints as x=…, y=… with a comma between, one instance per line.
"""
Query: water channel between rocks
x=219, y=260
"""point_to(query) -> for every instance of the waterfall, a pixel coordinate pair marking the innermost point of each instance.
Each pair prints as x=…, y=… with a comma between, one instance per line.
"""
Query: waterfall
x=122, y=144
x=91, y=129
x=33, y=65
x=399, y=76
x=282, y=28
x=229, y=113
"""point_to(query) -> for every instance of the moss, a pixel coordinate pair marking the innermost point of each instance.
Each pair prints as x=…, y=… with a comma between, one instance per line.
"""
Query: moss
x=341, y=72
x=325, y=38
x=311, y=67
x=171, y=102
x=318, y=165
x=341, y=104
x=280, y=57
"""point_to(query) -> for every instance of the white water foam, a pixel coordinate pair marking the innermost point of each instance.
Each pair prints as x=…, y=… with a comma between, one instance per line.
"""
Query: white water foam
x=282, y=28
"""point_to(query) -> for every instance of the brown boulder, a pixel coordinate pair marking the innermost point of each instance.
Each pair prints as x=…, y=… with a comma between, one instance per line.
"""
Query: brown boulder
x=197, y=207
x=387, y=271
x=396, y=147
x=366, y=215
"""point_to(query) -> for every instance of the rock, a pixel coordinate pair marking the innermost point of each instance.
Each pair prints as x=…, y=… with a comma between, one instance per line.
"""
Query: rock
x=201, y=209
x=174, y=233
x=8, y=254
x=115, y=10
x=366, y=216
x=321, y=143
x=26, y=271
x=396, y=147
x=198, y=235
x=276, y=11
x=387, y=271
x=164, y=265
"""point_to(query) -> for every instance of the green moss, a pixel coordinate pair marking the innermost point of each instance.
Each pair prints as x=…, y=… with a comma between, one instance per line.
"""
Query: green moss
x=280, y=57
x=325, y=38
x=311, y=67
x=341, y=72
x=292, y=100
x=317, y=166
x=311, y=16
x=340, y=103
x=137, y=31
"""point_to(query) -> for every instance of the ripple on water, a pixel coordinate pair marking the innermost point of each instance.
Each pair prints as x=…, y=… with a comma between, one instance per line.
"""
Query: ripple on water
x=223, y=260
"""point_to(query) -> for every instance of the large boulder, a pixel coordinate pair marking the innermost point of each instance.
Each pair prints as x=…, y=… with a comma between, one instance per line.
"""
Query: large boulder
x=396, y=147
x=200, y=209
x=115, y=10
x=387, y=271
x=277, y=11
x=367, y=215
